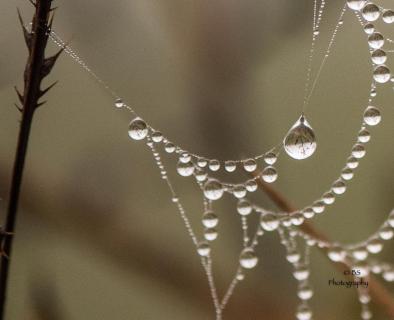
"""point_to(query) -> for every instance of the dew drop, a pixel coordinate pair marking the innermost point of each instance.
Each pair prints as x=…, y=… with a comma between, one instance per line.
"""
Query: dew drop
x=169, y=147
x=210, y=219
x=388, y=16
x=305, y=291
x=304, y=313
x=370, y=12
x=297, y=219
x=214, y=165
x=210, y=234
x=269, y=222
x=386, y=233
x=293, y=256
x=381, y=74
x=185, y=157
x=270, y=158
x=157, y=136
x=138, y=129
x=360, y=253
x=339, y=187
x=248, y=258
x=358, y=151
x=251, y=185
x=378, y=56
x=203, y=249
x=356, y=4
x=244, y=207
x=185, y=169
x=250, y=165
x=364, y=136
x=119, y=103
x=213, y=189
x=369, y=28
x=336, y=253
x=376, y=40
x=352, y=162
x=202, y=163
x=374, y=246
x=328, y=198
x=300, y=141
x=230, y=166
x=239, y=191
x=318, y=207
x=308, y=213
x=269, y=174
x=347, y=174
x=372, y=116
x=301, y=272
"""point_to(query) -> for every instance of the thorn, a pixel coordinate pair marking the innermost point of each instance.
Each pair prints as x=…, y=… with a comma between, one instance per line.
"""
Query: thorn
x=18, y=107
x=40, y=104
x=42, y=92
x=33, y=3
x=20, y=96
x=53, y=9
x=49, y=63
x=26, y=33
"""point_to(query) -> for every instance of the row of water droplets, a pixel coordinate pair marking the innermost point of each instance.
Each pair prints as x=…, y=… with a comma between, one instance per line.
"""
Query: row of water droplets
x=190, y=164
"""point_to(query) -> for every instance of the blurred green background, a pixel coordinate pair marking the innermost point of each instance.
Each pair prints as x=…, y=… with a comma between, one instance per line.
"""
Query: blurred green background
x=98, y=238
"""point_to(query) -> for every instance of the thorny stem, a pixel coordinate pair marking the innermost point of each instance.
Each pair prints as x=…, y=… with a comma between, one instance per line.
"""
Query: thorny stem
x=37, y=68
x=380, y=295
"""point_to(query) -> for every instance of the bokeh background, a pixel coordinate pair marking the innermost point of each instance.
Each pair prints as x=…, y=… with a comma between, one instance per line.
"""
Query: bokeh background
x=97, y=235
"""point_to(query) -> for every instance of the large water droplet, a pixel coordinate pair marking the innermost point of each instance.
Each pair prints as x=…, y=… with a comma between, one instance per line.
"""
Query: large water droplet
x=370, y=12
x=356, y=4
x=269, y=222
x=379, y=56
x=372, y=116
x=138, y=129
x=248, y=258
x=300, y=141
x=213, y=189
x=376, y=40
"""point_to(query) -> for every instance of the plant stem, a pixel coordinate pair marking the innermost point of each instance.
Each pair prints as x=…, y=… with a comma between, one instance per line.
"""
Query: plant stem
x=36, y=41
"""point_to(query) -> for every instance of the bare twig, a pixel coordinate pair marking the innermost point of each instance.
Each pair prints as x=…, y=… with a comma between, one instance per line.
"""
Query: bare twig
x=378, y=292
x=37, y=68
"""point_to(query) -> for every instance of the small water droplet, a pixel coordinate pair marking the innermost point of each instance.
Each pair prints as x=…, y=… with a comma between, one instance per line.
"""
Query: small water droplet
x=269, y=222
x=339, y=187
x=185, y=169
x=378, y=56
x=251, y=185
x=214, y=165
x=270, y=158
x=119, y=103
x=305, y=291
x=203, y=249
x=269, y=174
x=213, y=189
x=210, y=219
x=374, y=246
x=372, y=116
x=157, y=136
x=244, y=207
x=347, y=174
x=210, y=234
x=239, y=191
x=369, y=28
x=230, y=166
x=358, y=151
x=248, y=258
x=336, y=253
x=364, y=136
x=169, y=147
x=250, y=165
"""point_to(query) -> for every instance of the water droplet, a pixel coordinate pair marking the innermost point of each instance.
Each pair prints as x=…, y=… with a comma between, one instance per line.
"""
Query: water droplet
x=388, y=16
x=308, y=213
x=374, y=246
x=376, y=40
x=370, y=12
x=248, y=258
x=169, y=147
x=301, y=272
x=200, y=175
x=358, y=151
x=138, y=129
x=356, y=4
x=300, y=141
x=202, y=163
x=119, y=103
x=157, y=136
x=372, y=116
x=318, y=206
x=210, y=234
x=347, y=174
x=360, y=253
x=366, y=315
x=339, y=187
x=269, y=222
x=240, y=276
x=297, y=219
x=239, y=191
x=305, y=291
x=390, y=220
x=352, y=162
x=304, y=312
x=293, y=256
x=210, y=219
x=364, y=298
x=203, y=249
x=185, y=169
x=270, y=158
x=244, y=207
x=185, y=157
x=386, y=233
x=250, y=165
x=269, y=174
x=328, y=198
x=251, y=185
x=214, y=165
x=381, y=74
x=230, y=166
x=369, y=28
x=388, y=275
x=336, y=253
x=213, y=189
x=378, y=56
x=364, y=136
